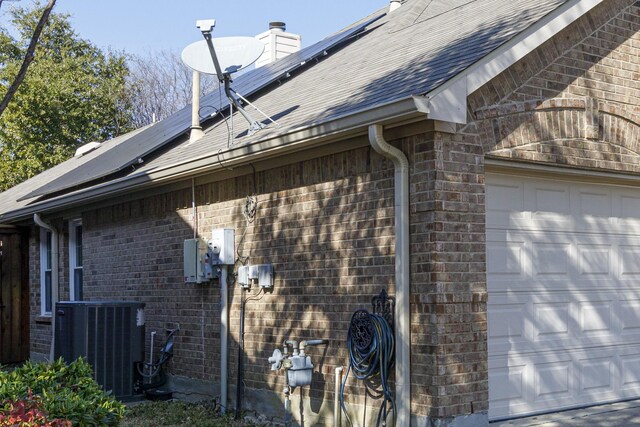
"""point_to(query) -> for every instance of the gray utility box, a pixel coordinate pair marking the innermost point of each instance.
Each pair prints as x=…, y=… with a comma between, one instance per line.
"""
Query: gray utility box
x=109, y=335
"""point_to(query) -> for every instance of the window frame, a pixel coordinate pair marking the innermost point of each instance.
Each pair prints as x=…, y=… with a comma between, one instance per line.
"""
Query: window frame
x=46, y=266
x=73, y=255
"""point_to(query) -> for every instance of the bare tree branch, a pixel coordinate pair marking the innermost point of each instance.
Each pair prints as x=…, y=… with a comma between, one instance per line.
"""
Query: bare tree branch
x=28, y=58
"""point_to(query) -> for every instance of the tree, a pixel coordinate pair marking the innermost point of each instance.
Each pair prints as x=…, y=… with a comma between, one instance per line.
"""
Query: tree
x=28, y=57
x=74, y=93
x=159, y=85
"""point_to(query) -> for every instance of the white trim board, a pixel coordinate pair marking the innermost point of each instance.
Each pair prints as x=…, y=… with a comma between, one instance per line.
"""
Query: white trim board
x=453, y=94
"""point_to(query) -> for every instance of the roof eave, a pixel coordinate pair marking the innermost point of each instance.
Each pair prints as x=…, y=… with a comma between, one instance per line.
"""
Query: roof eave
x=448, y=102
x=409, y=109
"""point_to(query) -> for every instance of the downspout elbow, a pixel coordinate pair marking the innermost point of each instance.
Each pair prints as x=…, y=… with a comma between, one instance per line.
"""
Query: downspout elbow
x=54, y=277
x=402, y=254
x=377, y=141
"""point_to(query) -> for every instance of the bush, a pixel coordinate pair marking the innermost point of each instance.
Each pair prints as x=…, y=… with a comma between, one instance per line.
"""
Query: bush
x=65, y=391
x=28, y=412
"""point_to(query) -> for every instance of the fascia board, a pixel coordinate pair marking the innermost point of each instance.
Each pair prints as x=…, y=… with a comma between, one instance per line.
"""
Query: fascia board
x=450, y=99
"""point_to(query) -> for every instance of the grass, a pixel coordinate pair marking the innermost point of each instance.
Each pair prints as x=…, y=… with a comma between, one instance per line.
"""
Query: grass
x=179, y=414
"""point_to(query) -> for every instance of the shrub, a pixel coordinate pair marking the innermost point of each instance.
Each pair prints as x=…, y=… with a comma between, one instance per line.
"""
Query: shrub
x=28, y=412
x=65, y=391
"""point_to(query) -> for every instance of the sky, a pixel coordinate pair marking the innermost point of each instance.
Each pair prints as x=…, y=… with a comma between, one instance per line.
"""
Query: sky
x=146, y=26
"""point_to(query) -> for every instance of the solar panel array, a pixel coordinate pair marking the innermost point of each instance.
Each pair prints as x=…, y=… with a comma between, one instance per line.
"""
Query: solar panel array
x=142, y=144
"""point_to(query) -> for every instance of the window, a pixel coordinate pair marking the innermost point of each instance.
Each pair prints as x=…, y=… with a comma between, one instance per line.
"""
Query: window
x=75, y=260
x=45, y=271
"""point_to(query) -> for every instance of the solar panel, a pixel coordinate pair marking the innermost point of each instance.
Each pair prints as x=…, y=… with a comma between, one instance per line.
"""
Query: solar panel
x=142, y=144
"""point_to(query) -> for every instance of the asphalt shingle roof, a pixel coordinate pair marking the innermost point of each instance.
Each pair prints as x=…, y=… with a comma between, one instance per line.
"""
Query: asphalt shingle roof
x=410, y=51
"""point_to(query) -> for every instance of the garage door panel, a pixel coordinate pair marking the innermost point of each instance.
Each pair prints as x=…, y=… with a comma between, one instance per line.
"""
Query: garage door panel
x=507, y=258
x=563, y=276
x=552, y=383
x=595, y=260
x=526, y=322
x=551, y=322
x=627, y=206
x=630, y=374
x=551, y=258
x=548, y=200
x=629, y=261
x=629, y=316
x=552, y=380
x=507, y=200
x=596, y=376
x=595, y=318
x=593, y=203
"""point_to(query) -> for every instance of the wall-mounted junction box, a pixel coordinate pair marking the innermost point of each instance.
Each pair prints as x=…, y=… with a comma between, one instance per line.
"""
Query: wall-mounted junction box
x=222, y=246
x=261, y=274
x=202, y=260
x=197, y=261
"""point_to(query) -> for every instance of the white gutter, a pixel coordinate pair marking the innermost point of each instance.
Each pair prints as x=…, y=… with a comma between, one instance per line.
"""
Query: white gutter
x=403, y=307
x=54, y=278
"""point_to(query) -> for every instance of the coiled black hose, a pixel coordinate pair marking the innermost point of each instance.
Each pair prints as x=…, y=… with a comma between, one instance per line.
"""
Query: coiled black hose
x=371, y=347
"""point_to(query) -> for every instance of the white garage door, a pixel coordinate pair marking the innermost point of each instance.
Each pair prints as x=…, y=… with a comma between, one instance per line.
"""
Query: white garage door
x=563, y=272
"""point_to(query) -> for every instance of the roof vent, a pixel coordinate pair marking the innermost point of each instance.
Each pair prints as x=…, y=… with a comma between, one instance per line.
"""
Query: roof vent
x=281, y=26
x=277, y=43
x=86, y=148
x=394, y=4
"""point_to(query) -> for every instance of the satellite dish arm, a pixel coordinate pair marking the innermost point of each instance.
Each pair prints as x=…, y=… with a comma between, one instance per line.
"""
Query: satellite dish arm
x=222, y=77
x=254, y=125
x=225, y=78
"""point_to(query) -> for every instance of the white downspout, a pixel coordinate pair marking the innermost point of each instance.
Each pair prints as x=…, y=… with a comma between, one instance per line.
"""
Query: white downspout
x=224, y=332
x=54, y=278
x=402, y=314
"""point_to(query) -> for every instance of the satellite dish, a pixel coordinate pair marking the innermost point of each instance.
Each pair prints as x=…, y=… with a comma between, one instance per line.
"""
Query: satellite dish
x=234, y=54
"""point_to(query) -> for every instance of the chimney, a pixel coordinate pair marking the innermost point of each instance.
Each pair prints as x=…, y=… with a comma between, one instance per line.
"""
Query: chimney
x=277, y=43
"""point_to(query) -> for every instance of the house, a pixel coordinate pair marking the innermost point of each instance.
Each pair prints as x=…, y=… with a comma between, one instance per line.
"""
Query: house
x=480, y=160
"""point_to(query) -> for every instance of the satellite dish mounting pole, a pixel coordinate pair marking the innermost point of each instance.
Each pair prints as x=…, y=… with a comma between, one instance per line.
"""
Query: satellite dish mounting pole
x=206, y=27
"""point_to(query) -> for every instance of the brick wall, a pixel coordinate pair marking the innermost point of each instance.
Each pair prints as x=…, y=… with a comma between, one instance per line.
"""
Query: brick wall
x=326, y=225
x=448, y=281
x=575, y=100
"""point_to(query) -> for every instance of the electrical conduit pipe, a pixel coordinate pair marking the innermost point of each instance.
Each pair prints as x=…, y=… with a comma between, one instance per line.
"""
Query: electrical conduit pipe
x=402, y=314
x=224, y=331
x=54, y=278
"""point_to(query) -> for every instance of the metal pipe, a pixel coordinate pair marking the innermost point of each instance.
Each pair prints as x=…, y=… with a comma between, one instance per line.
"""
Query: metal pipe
x=287, y=402
x=239, y=378
x=403, y=307
x=153, y=339
x=337, y=413
x=309, y=343
x=224, y=331
x=293, y=344
x=196, y=129
x=54, y=278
